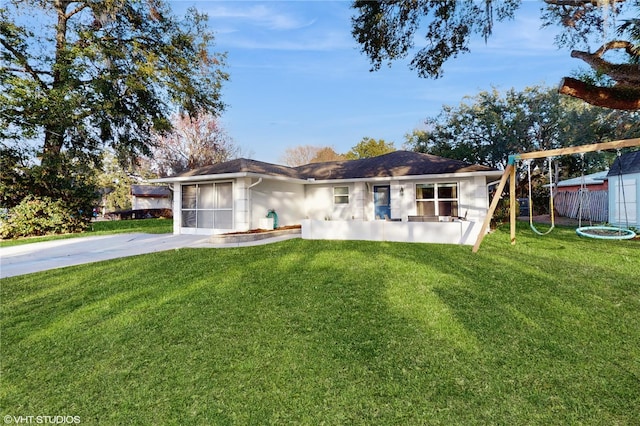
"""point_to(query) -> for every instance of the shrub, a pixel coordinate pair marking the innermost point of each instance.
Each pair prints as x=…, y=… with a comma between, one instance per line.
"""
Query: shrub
x=36, y=216
x=502, y=212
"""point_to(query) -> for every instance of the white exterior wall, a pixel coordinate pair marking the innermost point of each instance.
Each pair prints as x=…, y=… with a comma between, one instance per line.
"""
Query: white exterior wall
x=473, y=199
x=312, y=205
x=625, y=210
x=139, y=203
x=319, y=202
x=287, y=199
x=458, y=232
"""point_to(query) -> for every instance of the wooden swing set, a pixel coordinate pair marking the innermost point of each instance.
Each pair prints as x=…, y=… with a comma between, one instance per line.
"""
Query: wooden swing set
x=510, y=175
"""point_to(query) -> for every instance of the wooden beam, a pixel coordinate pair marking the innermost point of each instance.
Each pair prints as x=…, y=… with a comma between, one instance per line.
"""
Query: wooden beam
x=492, y=207
x=625, y=143
x=512, y=204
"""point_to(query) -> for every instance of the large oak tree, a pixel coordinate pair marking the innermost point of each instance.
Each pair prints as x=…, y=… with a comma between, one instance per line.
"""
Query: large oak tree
x=81, y=75
x=387, y=31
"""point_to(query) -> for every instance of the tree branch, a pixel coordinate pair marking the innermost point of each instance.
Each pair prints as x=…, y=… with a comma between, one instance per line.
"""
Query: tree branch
x=624, y=74
x=617, y=44
x=572, y=3
x=618, y=97
x=22, y=59
x=76, y=10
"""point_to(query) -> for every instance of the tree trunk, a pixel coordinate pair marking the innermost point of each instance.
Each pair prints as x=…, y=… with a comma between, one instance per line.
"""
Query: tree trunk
x=54, y=133
x=617, y=97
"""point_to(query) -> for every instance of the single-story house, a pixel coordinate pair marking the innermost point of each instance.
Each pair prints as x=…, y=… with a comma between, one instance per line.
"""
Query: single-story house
x=400, y=196
x=144, y=197
x=624, y=190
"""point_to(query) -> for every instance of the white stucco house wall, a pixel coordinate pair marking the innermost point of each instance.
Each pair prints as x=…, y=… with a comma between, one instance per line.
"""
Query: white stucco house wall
x=624, y=190
x=400, y=196
x=150, y=197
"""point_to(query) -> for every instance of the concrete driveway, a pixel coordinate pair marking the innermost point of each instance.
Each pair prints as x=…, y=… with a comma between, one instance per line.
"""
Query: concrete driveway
x=36, y=257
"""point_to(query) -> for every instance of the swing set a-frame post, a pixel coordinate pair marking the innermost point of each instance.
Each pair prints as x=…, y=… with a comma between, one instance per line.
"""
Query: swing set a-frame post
x=510, y=174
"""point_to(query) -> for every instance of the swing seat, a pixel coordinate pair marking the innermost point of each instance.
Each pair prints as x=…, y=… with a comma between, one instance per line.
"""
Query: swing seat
x=606, y=232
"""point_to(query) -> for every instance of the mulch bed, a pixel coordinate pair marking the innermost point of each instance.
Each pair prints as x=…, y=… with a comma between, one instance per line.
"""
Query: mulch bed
x=262, y=231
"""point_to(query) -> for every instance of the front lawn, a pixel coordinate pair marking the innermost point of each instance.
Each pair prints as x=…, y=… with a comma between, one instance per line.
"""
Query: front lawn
x=106, y=227
x=328, y=332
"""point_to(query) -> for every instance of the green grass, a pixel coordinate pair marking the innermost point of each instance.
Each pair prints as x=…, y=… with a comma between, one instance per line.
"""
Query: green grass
x=327, y=332
x=148, y=226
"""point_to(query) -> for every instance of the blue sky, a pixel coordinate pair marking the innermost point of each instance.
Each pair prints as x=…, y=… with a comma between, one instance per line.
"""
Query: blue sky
x=297, y=76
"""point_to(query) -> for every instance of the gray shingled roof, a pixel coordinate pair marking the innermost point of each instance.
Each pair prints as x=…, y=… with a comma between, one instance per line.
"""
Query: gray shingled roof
x=394, y=164
x=150, y=191
x=397, y=163
x=630, y=164
x=242, y=165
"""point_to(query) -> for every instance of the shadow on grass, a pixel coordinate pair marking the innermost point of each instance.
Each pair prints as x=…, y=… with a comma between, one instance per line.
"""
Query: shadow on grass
x=336, y=332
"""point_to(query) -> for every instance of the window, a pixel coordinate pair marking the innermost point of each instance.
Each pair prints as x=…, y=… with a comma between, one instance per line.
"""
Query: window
x=208, y=205
x=437, y=199
x=341, y=195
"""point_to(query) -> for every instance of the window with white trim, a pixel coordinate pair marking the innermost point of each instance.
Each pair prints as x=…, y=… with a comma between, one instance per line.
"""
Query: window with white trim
x=207, y=205
x=437, y=199
x=340, y=195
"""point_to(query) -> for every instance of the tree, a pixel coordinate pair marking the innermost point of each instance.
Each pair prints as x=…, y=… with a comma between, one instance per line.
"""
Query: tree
x=305, y=154
x=194, y=142
x=489, y=126
x=101, y=73
x=387, y=31
x=114, y=183
x=299, y=155
x=369, y=147
x=327, y=154
x=72, y=187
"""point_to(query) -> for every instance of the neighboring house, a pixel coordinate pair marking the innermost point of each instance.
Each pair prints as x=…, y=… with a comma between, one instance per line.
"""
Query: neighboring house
x=593, y=182
x=624, y=190
x=144, y=197
x=591, y=204
x=400, y=196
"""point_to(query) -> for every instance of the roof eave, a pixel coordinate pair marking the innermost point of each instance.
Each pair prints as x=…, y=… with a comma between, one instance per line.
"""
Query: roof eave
x=224, y=176
x=487, y=173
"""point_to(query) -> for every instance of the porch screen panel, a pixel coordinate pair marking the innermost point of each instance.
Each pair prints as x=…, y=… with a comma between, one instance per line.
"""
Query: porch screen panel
x=205, y=219
x=223, y=219
x=205, y=197
x=189, y=196
x=208, y=205
x=223, y=213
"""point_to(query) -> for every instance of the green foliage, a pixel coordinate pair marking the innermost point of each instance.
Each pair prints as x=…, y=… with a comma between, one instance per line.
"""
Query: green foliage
x=70, y=182
x=388, y=30
x=502, y=212
x=83, y=75
x=114, y=183
x=369, y=147
x=489, y=126
x=36, y=216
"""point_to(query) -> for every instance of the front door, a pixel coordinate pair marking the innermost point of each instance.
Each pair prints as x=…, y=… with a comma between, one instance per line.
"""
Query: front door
x=382, y=202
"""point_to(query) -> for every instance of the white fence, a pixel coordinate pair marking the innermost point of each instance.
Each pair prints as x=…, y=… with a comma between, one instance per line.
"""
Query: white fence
x=595, y=205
